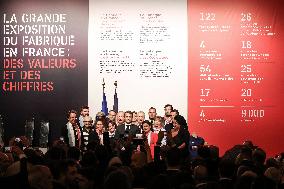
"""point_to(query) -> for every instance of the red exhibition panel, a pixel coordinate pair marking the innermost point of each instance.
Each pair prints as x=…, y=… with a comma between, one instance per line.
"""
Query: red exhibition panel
x=235, y=72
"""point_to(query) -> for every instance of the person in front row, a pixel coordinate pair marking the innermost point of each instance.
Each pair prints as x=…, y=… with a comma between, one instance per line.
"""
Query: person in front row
x=158, y=124
x=150, y=136
x=100, y=130
x=88, y=134
x=111, y=129
x=179, y=135
x=127, y=128
x=71, y=132
x=158, y=128
x=140, y=119
x=111, y=132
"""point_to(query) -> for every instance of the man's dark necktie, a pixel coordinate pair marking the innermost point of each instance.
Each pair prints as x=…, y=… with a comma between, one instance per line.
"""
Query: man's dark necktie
x=127, y=127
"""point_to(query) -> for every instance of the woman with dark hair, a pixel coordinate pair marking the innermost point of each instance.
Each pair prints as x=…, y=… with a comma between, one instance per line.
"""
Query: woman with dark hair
x=100, y=116
x=111, y=132
x=111, y=128
x=179, y=135
x=151, y=137
x=181, y=121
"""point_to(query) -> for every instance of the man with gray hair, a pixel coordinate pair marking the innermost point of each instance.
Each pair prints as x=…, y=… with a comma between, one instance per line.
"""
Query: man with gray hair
x=120, y=118
x=89, y=135
x=140, y=119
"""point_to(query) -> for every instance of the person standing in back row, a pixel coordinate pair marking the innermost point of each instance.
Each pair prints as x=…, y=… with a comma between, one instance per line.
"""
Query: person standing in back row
x=152, y=115
x=84, y=112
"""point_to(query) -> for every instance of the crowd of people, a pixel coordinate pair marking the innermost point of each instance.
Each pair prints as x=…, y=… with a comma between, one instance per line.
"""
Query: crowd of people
x=126, y=150
x=117, y=128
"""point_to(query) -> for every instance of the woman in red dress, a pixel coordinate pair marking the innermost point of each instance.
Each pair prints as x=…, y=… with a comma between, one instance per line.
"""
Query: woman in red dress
x=151, y=137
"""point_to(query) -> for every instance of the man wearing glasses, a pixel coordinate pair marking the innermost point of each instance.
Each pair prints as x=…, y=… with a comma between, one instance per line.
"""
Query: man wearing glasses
x=89, y=135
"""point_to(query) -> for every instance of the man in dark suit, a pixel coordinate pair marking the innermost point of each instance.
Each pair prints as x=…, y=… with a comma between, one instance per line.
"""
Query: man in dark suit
x=89, y=136
x=71, y=132
x=127, y=127
x=170, y=117
x=152, y=115
x=140, y=119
